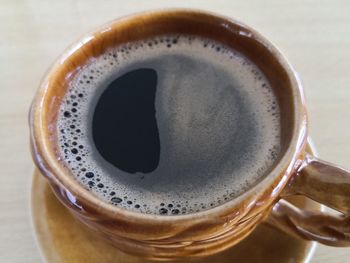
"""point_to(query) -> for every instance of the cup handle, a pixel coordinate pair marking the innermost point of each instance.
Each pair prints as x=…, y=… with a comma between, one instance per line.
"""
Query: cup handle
x=327, y=184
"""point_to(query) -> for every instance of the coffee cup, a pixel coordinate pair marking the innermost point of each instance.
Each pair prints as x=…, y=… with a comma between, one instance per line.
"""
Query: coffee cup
x=213, y=228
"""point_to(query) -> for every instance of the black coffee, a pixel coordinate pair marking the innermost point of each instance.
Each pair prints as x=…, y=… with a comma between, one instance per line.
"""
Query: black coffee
x=124, y=124
x=169, y=125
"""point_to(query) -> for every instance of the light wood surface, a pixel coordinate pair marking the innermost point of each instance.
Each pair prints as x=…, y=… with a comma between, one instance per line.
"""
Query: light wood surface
x=314, y=35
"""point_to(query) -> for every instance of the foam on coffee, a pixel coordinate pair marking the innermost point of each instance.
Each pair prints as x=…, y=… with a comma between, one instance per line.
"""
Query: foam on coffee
x=217, y=121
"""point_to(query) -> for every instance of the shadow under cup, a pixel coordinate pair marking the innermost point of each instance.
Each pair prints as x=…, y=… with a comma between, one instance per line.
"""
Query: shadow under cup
x=160, y=237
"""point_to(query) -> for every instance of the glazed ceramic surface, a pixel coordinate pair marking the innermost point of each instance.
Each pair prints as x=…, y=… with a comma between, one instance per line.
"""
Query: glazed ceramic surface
x=64, y=239
x=211, y=231
x=181, y=236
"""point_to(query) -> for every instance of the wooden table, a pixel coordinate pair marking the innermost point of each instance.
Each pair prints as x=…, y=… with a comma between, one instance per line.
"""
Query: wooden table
x=314, y=35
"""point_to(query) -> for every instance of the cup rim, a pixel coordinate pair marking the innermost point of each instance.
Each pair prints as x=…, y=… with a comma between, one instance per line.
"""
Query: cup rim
x=51, y=167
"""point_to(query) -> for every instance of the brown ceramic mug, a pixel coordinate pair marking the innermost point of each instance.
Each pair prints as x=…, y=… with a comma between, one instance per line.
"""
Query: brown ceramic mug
x=210, y=231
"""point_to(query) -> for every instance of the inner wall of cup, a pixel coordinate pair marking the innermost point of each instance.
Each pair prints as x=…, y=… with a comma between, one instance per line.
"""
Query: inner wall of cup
x=152, y=24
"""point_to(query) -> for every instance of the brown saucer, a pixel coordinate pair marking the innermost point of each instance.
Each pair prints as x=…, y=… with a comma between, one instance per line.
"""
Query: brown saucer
x=62, y=238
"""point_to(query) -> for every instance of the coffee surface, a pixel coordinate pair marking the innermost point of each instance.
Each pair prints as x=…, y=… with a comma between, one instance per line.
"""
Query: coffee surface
x=169, y=125
x=124, y=125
